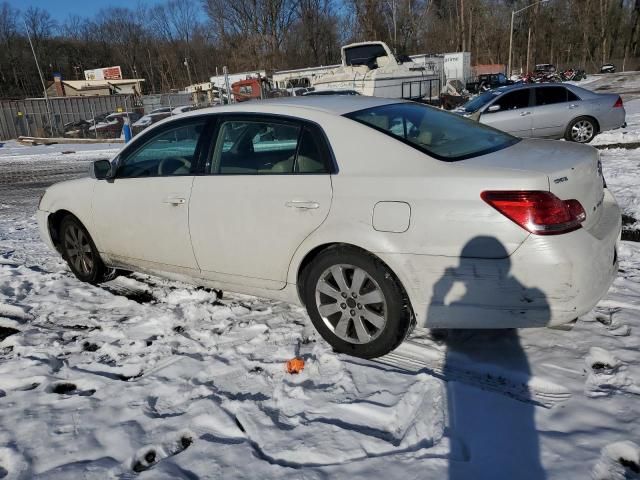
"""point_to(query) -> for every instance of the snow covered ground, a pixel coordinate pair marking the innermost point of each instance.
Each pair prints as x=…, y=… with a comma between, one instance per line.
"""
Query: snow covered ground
x=155, y=379
x=627, y=135
x=627, y=84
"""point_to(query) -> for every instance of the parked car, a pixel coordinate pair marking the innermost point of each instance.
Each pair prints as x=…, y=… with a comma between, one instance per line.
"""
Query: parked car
x=376, y=214
x=544, y=68
x=182, y=109
x=160, y=110
x=548, y=111
x=80, y=128
x=147, y=120
x=608, y=68
x=488, y=81
x=111, y=126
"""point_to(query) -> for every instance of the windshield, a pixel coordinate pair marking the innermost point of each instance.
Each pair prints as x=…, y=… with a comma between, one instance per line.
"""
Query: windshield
x=481, y=100
x=442, y=135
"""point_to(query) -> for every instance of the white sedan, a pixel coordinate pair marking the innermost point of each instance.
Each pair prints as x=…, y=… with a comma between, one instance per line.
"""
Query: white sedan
x=376, y=214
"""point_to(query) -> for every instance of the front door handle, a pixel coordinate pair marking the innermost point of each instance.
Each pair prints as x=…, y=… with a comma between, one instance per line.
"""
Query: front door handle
x=523, y=114
x=573, y=106
x=307, y=205
x=175, y=200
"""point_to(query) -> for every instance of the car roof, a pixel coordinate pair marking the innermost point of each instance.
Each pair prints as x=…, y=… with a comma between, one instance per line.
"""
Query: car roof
x=332, y=104
x=519, y=86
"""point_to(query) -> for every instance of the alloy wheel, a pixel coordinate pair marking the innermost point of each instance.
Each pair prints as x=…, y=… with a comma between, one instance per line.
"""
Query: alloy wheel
x=351, y=303
x=582, y=131
x=78, y=249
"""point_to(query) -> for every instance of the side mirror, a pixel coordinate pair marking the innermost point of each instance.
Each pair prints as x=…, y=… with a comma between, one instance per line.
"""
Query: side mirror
x=101, y=169
x=493, y=108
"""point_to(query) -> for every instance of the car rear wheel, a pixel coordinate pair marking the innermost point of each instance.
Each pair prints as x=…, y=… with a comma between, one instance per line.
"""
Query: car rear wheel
x=81, y=254
x=581, y=130
x=355, y=303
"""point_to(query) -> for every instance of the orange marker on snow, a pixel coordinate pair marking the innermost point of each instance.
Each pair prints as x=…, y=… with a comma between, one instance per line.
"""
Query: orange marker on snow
x=295, y=365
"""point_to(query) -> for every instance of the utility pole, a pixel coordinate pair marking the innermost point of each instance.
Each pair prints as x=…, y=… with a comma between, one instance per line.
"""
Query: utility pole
x=513, y=14
x=44, y=87
x=186, y=64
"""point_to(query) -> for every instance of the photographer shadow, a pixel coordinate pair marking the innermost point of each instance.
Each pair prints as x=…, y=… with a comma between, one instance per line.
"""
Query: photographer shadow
x=495, y=435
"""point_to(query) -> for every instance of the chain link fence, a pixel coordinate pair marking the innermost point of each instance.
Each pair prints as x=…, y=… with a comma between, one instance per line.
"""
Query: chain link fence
x=99, y=117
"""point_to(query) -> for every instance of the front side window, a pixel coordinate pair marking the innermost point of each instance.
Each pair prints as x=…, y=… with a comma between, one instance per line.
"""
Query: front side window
x=266, y=147
x=170, y=152
x=513, y=100
x=442, y=135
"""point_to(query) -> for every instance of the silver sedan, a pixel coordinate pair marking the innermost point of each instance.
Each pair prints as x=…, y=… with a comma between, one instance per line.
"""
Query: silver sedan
x=547, y=111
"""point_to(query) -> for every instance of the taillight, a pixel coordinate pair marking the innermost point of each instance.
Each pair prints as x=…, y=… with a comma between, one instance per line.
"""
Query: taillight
x=538, y=212
x=618, y=103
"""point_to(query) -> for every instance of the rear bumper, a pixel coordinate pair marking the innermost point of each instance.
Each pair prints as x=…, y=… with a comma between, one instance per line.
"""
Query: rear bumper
x=548, y=280
x=615, y=118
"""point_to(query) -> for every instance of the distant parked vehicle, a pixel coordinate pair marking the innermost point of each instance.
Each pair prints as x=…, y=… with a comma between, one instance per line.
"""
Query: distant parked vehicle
x=608, y=68
x=182, y=109
x=547, y=111
x=111, y=126
x=545, y=68
x=298, y=91
x=488, y=81
x=160, y=110
x=148, y=120
x=80, y=128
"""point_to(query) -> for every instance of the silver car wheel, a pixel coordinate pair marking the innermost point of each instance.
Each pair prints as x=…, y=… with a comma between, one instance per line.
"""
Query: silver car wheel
x=582, y=131
x=78, y=249
x=351, y=303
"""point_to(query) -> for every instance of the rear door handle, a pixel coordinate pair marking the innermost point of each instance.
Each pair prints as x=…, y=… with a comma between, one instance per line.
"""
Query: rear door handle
x=175, y=200
x=523, y=114
x=307, y=205
x=573, y=106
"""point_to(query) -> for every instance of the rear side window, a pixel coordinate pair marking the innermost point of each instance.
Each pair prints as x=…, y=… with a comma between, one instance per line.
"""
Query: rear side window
x=513, y=100
x=311, y=154
x=551, y=95
x=442, y=135
x=253, y=147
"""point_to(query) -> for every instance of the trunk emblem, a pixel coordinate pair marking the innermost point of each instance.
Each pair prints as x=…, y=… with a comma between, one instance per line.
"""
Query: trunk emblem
x=561, y=179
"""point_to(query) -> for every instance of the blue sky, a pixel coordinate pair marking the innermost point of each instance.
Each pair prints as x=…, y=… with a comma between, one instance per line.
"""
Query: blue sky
x=61, y=9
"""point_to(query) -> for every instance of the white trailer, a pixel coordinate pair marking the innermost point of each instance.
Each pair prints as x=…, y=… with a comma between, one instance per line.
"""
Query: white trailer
x=457, y=66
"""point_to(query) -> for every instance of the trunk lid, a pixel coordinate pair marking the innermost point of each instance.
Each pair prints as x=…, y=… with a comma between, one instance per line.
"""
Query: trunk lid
x=574, y=170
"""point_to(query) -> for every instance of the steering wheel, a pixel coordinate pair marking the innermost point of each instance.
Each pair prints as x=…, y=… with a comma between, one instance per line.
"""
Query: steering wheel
x=165, y=161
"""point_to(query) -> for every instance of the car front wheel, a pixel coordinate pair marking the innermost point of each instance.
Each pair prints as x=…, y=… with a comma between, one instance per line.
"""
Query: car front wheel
x=355, y=303
x=81, y=254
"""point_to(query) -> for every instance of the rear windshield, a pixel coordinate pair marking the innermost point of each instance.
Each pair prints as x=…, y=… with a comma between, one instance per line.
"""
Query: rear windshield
x=442, y=135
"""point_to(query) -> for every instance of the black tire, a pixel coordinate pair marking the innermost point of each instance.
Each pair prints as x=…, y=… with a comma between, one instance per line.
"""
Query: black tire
x=90, y=268
x=587, y=124
x=395, y=309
